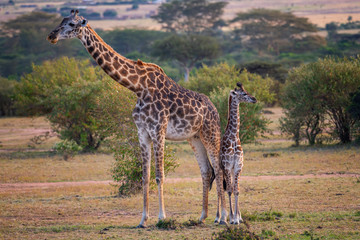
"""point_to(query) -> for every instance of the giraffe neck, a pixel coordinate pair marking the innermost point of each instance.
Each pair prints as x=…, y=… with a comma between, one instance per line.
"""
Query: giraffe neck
x=118, y=67
x=233, y=117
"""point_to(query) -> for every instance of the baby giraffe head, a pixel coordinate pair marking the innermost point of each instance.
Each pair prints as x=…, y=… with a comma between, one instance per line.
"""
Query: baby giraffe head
x=241, y=95
x=70, y=27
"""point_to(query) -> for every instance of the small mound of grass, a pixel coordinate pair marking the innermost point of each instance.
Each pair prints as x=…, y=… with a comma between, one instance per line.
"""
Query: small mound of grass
x=168, y=224
x=172, y=224
x=192, y=223
x=239, y=233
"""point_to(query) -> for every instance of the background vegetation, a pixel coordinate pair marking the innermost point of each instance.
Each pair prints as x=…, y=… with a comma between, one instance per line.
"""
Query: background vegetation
x=279, y=57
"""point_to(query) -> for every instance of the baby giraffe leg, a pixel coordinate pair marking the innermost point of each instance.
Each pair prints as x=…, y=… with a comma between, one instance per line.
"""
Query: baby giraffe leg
x=237, y=213
x=229, y=189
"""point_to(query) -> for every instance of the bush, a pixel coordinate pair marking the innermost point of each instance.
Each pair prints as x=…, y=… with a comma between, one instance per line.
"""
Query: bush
x=67, y=148
x=217, y=81
x=110, y=13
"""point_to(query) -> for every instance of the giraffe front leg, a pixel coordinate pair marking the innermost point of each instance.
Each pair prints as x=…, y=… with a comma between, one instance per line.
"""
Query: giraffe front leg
x=229, y=186
x=159, y=145
x=145, y=145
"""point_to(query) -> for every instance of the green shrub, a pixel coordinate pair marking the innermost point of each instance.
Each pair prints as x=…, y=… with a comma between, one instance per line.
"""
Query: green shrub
x=67, y=148
x=168, y=224
x=216, y=82
x=252, y=123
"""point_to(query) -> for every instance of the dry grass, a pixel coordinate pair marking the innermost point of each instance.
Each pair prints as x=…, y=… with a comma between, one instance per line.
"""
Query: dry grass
x=55, y=169
x=328, y=207
x=289, y=208
x=16, y=133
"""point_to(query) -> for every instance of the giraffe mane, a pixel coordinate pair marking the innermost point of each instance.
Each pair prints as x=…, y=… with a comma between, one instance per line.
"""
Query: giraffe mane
x=153, y=65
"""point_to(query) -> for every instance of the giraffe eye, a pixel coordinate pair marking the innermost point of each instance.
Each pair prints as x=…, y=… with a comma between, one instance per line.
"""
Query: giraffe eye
x=71, y=24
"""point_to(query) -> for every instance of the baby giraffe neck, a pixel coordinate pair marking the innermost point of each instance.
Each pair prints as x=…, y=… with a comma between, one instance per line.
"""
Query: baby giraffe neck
x=116, y=66
x=233, y=117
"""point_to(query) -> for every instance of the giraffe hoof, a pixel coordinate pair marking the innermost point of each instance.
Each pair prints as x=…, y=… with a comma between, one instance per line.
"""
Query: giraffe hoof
x=141, y=226
x=222, y=223
x=216, y=221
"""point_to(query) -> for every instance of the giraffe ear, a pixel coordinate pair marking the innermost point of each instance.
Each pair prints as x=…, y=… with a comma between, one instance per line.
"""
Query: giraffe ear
x=84, y=22
x=232, y=93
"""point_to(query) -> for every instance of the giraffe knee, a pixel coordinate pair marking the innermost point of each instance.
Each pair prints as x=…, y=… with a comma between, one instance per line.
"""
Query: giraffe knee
x=159, y=180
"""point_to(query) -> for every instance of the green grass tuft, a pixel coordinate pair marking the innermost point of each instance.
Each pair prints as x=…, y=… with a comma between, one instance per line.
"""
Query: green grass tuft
x=168, y=224
x=239, y=233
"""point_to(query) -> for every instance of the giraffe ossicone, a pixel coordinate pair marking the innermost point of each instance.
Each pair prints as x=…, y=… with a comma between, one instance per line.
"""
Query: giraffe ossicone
x=231, y=152
x=164, y=110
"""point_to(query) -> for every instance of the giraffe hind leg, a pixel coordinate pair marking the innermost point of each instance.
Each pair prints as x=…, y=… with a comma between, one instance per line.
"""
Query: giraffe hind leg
x=207, y=172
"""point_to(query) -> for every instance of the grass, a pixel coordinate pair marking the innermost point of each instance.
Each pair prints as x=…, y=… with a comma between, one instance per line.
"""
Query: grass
x=309, y=208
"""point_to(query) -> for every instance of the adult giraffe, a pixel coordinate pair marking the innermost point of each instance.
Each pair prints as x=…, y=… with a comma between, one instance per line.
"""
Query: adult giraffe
x=164, y=110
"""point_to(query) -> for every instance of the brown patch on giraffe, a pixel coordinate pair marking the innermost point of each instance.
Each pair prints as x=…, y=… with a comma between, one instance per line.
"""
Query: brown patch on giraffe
x=108, y=68
x=96, y=54
x=116, y=76
x=116, y=65
x=90, y=49
x=139, y=62
x=133, y=78
x=129, y=65
x=107, y=57
x=123, y=72
x=142, y=81
x=132, y=71
x=140, y=71
x=100, y=61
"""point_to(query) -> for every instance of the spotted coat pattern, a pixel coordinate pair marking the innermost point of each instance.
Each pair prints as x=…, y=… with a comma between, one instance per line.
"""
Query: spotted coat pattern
x=164, y=110
x=231, y=152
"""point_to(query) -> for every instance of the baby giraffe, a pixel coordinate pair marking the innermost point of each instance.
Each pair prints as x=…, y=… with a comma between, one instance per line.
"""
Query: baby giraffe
x=231, y=153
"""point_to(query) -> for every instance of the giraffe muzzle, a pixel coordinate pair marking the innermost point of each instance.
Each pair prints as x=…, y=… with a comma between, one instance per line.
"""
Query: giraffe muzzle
x=52, y=37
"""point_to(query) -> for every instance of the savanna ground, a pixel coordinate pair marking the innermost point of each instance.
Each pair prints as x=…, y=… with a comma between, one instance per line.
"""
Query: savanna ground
x=286, y=192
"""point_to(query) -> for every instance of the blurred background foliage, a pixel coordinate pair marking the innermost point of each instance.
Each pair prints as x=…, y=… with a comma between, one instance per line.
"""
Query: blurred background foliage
x=197, y=48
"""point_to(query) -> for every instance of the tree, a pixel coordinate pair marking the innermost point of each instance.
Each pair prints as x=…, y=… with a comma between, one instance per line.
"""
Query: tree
x=190, y=16
x=216, y=82
x=68, y=92
x=110, y=13
x=304, y=113
x=271, y=30
x=325, y=86
x=354, y=111
x=7, y=94
x=187, y=50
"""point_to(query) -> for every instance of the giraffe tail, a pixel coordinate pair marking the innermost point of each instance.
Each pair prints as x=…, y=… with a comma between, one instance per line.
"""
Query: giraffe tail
x=212, y=177
x=224, y=182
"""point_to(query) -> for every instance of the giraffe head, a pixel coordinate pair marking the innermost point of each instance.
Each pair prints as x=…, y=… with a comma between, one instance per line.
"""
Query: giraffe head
x=70, y=27
x=241, y=95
